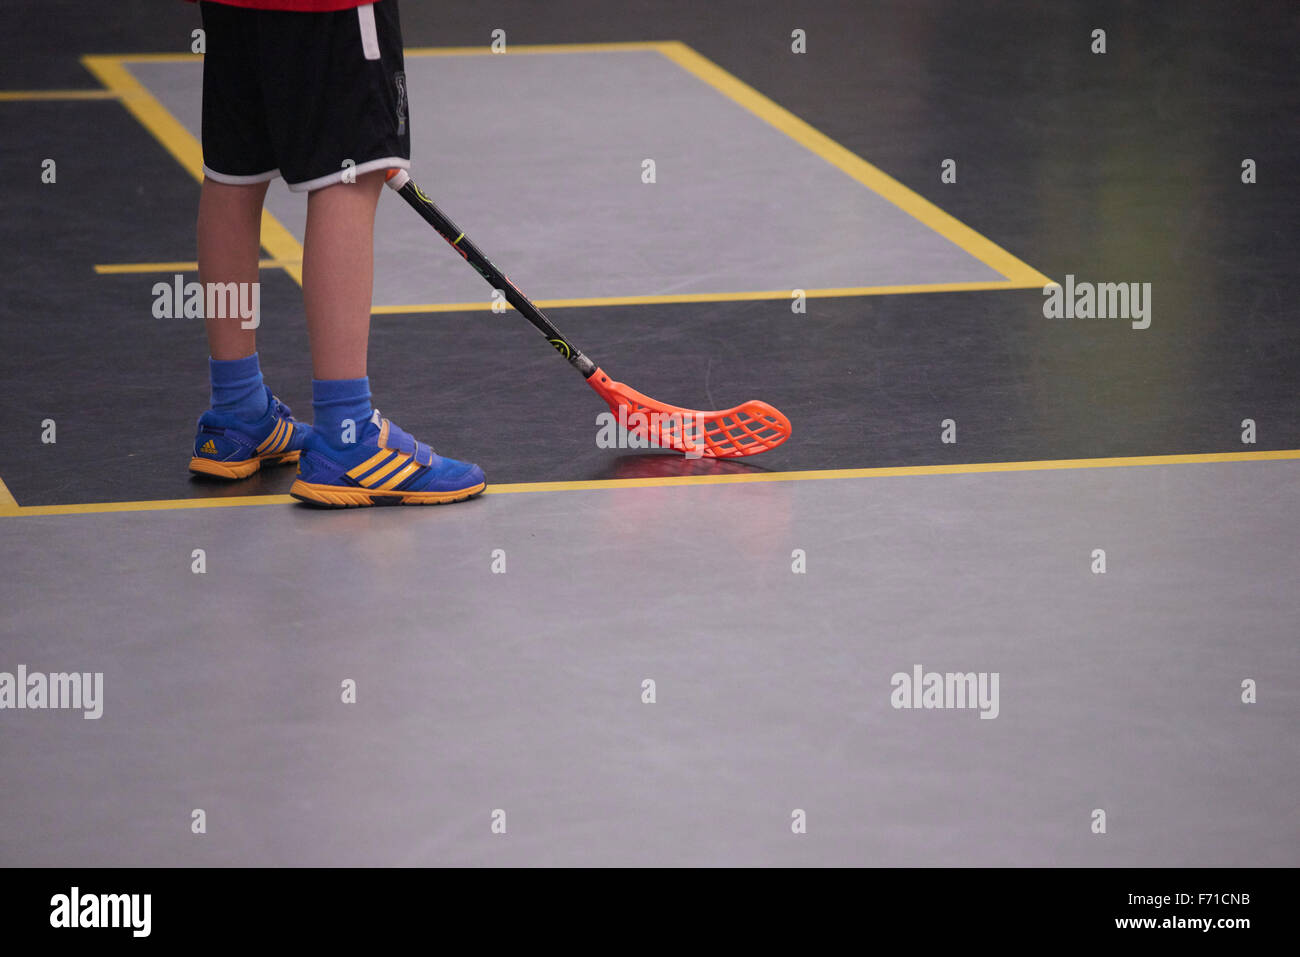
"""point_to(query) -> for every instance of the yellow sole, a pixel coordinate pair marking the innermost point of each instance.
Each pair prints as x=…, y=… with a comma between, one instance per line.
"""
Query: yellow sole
x=337, y=496
x=238, y=470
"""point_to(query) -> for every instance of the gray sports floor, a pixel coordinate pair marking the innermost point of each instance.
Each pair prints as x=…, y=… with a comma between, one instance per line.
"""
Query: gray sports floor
x=735, y=206
x=501, y=650
x=522, y=691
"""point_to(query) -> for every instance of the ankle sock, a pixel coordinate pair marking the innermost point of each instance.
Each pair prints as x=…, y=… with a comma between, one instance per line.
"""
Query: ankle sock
x=333, y=402
x=237, y=387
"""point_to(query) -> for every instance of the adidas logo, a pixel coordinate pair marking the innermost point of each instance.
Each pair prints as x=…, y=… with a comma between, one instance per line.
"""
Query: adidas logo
x=209, y=448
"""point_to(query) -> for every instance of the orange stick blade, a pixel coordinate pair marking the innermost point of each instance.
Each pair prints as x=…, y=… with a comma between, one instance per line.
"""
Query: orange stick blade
x=747, y=429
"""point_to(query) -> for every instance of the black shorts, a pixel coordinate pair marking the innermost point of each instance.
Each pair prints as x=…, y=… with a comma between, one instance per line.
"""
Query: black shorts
x=314, y=97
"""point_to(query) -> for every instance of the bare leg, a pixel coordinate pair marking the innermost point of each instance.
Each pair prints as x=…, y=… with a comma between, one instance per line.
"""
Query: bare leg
x=230, y=241
x=338, y=271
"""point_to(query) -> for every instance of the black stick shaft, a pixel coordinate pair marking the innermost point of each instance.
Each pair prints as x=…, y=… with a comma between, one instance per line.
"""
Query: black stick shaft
x=495, y=277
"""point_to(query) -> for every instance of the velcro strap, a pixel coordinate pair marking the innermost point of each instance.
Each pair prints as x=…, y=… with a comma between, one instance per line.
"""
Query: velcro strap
x=397, y=440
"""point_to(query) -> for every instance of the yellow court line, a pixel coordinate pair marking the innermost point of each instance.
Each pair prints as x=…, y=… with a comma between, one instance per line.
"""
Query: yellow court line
x=1045, y=465
x=612, y=47
x=117, y=269
x=7, y=501
x=708, y=297
x=145, y=57
x=903, y=471
x=158, y=505
x=24, y=96
x=110, y=71
x=983, y=249
x=485, y=50
x=1019, y=274
x=284, y=247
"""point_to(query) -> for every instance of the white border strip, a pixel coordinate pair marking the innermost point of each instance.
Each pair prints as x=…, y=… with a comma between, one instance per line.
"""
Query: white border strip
x=369, y=35
x=388, y=162
x=230, y=180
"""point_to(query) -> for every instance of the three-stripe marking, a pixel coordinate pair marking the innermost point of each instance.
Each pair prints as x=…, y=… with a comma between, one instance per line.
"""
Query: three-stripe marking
x=385, y=470
x=278, y=440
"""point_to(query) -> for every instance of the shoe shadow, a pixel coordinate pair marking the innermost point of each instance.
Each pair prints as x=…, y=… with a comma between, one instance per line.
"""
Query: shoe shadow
x=274, y=481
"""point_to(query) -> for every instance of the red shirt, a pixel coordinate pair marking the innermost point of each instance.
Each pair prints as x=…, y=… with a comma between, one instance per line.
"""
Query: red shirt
x=298, y=6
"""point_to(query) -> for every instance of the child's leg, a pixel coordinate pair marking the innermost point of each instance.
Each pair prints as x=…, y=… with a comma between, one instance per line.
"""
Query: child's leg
x=338, y=271
x=331, y=89
x=337, y=280
x=353, y=456
x=230, y=230
x=246, y=427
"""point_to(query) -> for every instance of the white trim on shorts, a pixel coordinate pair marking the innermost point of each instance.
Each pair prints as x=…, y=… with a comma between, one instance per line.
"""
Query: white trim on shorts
x=369, y=35
x=230, y=180
x=369, y=166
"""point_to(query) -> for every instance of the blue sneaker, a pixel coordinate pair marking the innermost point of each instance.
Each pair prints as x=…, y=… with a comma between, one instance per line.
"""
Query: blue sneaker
x=230, y=448
x=385, y=467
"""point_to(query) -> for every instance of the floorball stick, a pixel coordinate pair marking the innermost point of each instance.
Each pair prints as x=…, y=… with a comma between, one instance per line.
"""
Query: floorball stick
x=747, y=429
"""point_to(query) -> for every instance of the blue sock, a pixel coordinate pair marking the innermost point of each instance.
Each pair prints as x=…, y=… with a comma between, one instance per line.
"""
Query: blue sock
x=237, y=387
x=333, y=401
